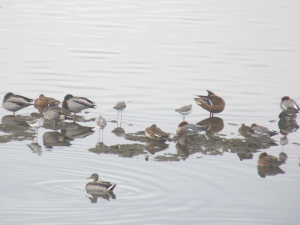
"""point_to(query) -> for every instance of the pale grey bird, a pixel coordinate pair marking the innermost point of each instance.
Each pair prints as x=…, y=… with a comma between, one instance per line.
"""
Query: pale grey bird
x=120, y=106
x=185, y=110
x=101, y=122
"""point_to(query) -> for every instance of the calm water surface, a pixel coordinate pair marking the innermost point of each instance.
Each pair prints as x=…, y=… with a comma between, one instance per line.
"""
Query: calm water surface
x=157, y=54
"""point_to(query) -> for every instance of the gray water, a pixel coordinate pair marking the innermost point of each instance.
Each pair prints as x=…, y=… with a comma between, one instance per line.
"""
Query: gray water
x=158, y=54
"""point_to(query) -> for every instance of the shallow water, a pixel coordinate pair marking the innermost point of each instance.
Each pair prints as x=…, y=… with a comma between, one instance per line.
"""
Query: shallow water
x=158, y=54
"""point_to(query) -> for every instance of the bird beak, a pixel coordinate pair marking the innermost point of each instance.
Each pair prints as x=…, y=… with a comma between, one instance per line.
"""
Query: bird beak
x=89, y=178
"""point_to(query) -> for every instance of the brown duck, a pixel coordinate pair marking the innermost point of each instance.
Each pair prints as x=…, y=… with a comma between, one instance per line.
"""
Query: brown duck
x=246, y=131
x=211, y=103
x=156, y=133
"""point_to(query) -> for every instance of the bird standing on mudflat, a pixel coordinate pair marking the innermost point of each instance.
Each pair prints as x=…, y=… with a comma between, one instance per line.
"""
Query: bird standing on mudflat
x=189, y=129
x=56, y=113
x=120, y=106
x=211, y=103
x=101, y=122
x=43, y=100
x=14, y=103
x=261, y=131
x=77, y=104
x=246, y=131
x=289, y=105
x=156, y=133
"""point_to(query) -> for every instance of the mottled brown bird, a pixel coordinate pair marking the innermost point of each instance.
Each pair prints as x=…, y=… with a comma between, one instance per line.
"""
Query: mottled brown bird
x=246, y=131
x=212, y=103
x=156, y=133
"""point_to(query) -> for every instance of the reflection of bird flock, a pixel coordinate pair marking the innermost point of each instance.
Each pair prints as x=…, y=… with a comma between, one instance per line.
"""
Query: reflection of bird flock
x=212, y=103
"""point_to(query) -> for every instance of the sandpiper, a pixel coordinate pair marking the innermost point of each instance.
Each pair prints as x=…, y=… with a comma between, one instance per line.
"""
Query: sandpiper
x=120, y=106
x=185, y=110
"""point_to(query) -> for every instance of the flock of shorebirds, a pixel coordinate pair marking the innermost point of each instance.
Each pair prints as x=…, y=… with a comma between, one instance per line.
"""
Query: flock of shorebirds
x=212, y=103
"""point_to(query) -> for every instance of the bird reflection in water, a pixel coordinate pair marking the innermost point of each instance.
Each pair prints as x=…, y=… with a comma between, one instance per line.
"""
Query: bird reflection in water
x=214, y=125
x=100, y=194
x=155, y=146
x=75, y=130
x=243, y=155
x=119, y=131
x=14, y=120
x=35, y=148
x=51, y=139
x=268, y=165
x=183, y=151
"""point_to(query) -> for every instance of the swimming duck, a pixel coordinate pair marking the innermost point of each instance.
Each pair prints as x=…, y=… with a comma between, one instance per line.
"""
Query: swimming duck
x=155, y=133
x=188, y=129
x=42, y=100
x=289, y=105
x=77, y=104
x=99, y=185
x=211, y=103
x=261, y=131
x=14, y=103
x=56, y=113
x=246, y=131
x=185, y=110
x=269, y=160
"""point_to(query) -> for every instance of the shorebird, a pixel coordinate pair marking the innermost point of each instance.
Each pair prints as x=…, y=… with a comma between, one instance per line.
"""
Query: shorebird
x=120, y=106
x=289, y=105
x=37, y=123
x=77, y=104
x=14, y=103
x=211, y=103
x=99, y=185
x=156, y=133
x=101, y=122
x=185, y=110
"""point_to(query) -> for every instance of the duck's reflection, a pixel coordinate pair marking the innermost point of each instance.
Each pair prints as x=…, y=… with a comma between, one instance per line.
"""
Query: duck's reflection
x=35, y=148
x=14, y=120
x=183, y=151
x=100, y=194
x=75, y=130
x=243, y=155
x=264, y=171
x=155, y=146
x=51, y=139
x=213, y=124
x=287, y=123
